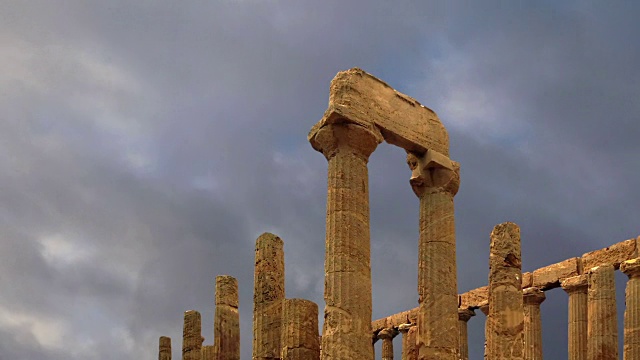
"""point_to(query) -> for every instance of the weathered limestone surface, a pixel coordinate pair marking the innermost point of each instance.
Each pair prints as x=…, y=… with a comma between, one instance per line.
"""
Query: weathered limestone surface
x=614, y=254
x=300, y=330
x=409, y=350
x=463, y=318
x=268, y=295
x=164, y=352
x=387, y=336
x=532, y=298
x=527, y=280
x=227, y=319
x=602, y=335
x=360, y=98
x=346, y=332
x=549, y=277
x=192, y=336
x=208, y=353
x=576, y=288
x=395, y=320
x=472, y=298
x=631, y=348
x=505, y=322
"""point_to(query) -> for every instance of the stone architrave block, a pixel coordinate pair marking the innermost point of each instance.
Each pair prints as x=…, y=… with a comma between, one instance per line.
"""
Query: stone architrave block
x=472, y=298
x=549, y=277
x=614, y=254
x=527, y=280
x=395, y=320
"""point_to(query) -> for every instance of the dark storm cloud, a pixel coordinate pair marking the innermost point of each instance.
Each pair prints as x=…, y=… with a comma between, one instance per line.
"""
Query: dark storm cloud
x=146, y=145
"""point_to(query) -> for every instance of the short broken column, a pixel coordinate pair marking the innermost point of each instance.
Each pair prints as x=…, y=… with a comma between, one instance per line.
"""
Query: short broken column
x=409, y=351
x=300, y=330
x=631, y=348
x=268, y=295
x=505, y=322
x=602, y=335
x=192, y=336
x=532, y=298
x=227, y=319
x=576, y=288
x=164, y=352
x=464, y=315
x=387, y=335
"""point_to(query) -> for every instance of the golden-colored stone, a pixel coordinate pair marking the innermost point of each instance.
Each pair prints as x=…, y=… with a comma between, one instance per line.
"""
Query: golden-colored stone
x=227, y=319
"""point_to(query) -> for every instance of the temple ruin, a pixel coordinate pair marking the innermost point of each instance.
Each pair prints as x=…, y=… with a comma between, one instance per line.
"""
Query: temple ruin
x=363, y=112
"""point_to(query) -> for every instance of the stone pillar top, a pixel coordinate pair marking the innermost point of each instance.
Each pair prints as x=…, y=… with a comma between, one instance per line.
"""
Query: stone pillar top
x=533, y=295
x=465, y=314
x=404, y=328
x=226, y=290
x=575, y=283
x=631, y=268
x=433, y=171
x=388, y=333
x=361, y=140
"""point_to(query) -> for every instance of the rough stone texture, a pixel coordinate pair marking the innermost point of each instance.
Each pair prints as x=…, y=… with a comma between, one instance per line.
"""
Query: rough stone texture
x=602, y=330
x=387, y=336
x=268, y=295
x=346, y=332
x=614, y=254
x=360, y=98
x=395, y=320
x=631, y=348
x=164, y=352
x=532, y=298
x=409, y=350
x=208, y=352
x=472, y=298
x=227, y=319
x=192, y=336
x=463, y=318
x=576, y=288
x=505, y=322
x=300, y=330
x=527, y=280
x=549, y=277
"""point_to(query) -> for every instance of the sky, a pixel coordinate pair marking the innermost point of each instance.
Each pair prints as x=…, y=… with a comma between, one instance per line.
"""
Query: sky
x=145, y=145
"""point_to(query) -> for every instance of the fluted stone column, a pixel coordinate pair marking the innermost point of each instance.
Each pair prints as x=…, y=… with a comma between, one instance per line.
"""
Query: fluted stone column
x=576, y=288
x=268, y=295
x=346, y=333
x=208, y=352
x=192, y=336
x=532, y=298
x=631, y=348
x=435, y=179
x=602, y=328
x=409, y=351
x=387, y=335
x=464, y=315
x=484, y=308
x=164, y=352
x=227, y=319
x=300, y=330
x=505, y=322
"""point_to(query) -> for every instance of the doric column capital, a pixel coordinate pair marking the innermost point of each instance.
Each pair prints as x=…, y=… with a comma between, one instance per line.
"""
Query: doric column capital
x=575, y=284
x=533, y=296
x=404, y=328
x=388, y=333
x=464, y=314
x=433, y=172
x=631, y=268
x=360, y=140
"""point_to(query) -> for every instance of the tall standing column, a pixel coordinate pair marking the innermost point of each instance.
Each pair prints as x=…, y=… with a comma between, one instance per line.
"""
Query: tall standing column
x=300, y=330
x=505, y=322
x=268, y=295
x=435, y=179
x=576, y=288
x=346, y=333
x=227, y=319
x=602, y=327
x=408, y=341
x=532, y=298
x=192, y=336
x=387, y=336
x=632, y=311
x=464, y=315
x=165, y=348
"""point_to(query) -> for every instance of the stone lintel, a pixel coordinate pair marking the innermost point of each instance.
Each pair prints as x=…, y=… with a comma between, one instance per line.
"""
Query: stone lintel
x=472, y=298
x=527, y=280
x=395, y=320
x=360, y=98
x=549, y=277
x=614, y=254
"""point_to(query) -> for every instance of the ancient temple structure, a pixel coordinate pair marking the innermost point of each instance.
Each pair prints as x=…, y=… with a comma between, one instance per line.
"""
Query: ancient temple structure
x=363, y=112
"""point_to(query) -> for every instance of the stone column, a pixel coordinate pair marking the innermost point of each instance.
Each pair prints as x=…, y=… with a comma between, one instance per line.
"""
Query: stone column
x=227, y=319
x=532, y=298
x=435, y=179
x=576, y=288
x=484, y=308
x=387, y=336
x=505, y=322
x=268, y=295
x=632, y=311
x=408, y=341
x=165, y=348
x=346, y=333
x=208, y=352
x=192, y=336
x=463, y=318
x=300, y=330
x=602, y=329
